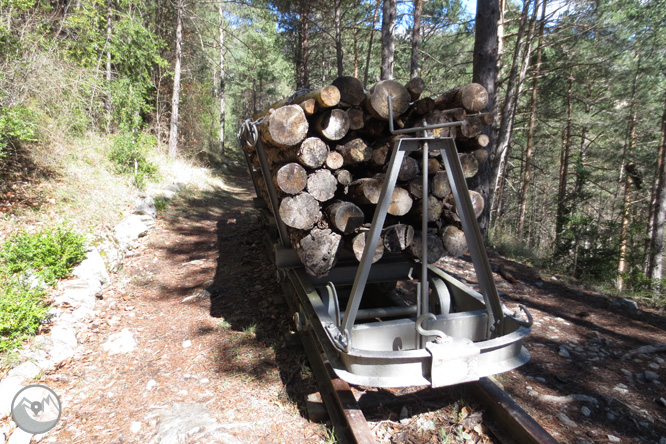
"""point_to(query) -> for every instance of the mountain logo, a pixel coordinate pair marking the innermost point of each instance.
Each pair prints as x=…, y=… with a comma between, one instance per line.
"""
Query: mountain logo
x=36, y=409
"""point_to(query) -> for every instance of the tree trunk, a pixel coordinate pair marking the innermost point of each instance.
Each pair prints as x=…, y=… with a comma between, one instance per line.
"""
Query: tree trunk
x=372, y=35
x=388, y=38
x=529, y=151
x=338, y=36
x=109, y=30
x=485, y=73
x=561, y=214
x=175, y=99
x=416, y=39
x=221, y=92
x=655, y=254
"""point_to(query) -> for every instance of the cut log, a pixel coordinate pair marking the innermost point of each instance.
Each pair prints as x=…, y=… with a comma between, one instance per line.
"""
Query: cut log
x=409, y=169
x=436, y=117
x=415, y=87
x=415, y=187
x=358, y=246
x=344, y=177
x=377, y=101
x=345, y=216
x=334, y=160
x=481, y=155
x=398, y=237
x=355, y=151
x=322, y=185
x=472, y=127
x=472, y=97
x=472, y=143
x=300, y=211
x=356, y=118
x=285, y=127
x=434, y=205
x=423, y=106
x=317, y=251
x=477, y=202
x=440, y=185
x=309, y=106
x=313, y=152
x=401, y=202
x=332, y=124
x=454, y=240
x=435, y=248
x=366, y=190
x=470, y=165
x=434, y=165
x=326, y=97
x=351, y=90
x=380, y=155
x=291, y=178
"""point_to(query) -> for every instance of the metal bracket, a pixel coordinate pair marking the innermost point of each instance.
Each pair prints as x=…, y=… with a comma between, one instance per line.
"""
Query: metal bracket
x=453, y=362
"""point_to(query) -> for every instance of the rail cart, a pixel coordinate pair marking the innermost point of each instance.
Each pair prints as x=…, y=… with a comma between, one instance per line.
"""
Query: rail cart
x=452, y=334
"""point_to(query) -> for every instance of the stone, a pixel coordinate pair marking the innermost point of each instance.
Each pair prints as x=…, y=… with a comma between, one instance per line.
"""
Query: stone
x=122, y=342
x=585, y=411
x=145, y=205
x=64, y=343
x=26, y=370
x=626, y=304
x=78, y=293
x=539, y=284
x=187, y=343
x=564, y=419
x=33, y=280
x=621, y=388
x=564, y=352
x=651, y=376
x=181, y=418
x=626, y=372
x=654, y=366
x=9, y=387
x=92, y=268
x=661, y=402
x=152, y=383
x=110, y=250
x=20, y=437
x=83, y=313
x=129, y=230
x=135, y=427
x=662, y=440
x=613, y=438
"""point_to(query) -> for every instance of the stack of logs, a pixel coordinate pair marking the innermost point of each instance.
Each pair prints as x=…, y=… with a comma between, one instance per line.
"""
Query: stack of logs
x=328, y=151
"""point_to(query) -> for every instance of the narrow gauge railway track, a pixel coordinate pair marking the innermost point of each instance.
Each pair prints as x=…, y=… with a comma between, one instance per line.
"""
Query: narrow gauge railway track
x=508, y=422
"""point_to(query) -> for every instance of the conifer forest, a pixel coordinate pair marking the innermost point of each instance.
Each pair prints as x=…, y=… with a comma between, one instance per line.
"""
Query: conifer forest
x=576, y=169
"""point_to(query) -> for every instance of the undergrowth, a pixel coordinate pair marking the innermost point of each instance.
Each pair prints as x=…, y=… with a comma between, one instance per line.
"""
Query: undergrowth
x=28, y=263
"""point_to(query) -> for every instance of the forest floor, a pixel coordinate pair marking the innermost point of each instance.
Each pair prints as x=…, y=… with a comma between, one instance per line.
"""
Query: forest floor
x=197, y=295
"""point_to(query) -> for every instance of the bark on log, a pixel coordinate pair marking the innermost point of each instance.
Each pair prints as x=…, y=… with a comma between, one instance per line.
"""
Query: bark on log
x=377, y=101
x=454, y=240
x=435, y=248
x=322, y=185
x=472, y=97
x=380, y=155
x=291, y=178
x=334, y=160
x=415, y=187
x=436, y=117
x=356, y=118
x=440, y=185
x=313, y=152
x=472, y=127
x=317, y=251
x=398, y=237
x=285, y=127
x=332, y=124
x=358, y=246
x=481, y=155
x=415, y=87
x=351, y=90
x=423, y=106
x=326, y=97
x=355, y=151
x=366, y=190
x=434, y=165
x=345, y=216
x=300, y=211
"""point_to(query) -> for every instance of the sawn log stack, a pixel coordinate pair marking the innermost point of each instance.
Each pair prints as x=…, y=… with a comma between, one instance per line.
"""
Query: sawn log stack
x=328, y=151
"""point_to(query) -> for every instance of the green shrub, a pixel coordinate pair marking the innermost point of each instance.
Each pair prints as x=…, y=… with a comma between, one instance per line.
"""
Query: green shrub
x=21, y=310
x=50, y=254
x=128, y=154
x=16, y=126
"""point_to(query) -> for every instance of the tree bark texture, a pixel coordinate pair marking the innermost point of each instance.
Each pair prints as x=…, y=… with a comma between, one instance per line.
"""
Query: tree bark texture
x=388, y=38
x=175, y=98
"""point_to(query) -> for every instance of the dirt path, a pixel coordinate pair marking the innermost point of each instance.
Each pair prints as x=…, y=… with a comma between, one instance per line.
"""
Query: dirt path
x=207, y=333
